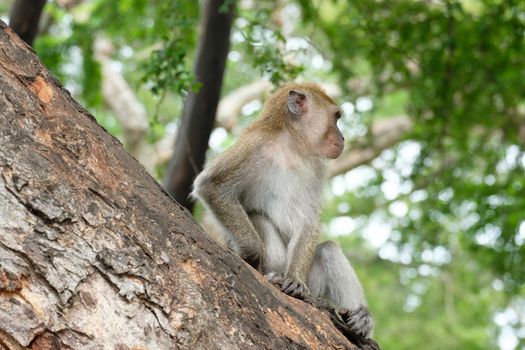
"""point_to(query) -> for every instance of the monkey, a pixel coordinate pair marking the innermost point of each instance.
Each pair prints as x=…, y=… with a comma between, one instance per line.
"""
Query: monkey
x=265, y=194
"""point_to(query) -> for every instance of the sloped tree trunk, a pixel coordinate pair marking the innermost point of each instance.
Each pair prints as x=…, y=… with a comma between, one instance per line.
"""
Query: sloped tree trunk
x=200, y=107
x=95, y=255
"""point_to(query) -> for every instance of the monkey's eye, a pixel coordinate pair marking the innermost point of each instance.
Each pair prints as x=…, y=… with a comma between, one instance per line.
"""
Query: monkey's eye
x=337, y=115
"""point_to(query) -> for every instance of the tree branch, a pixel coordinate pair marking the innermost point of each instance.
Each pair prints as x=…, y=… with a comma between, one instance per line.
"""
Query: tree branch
x=230, y=107
x=121, y=99
x=383, y=135
x=200, y=108
x=24, y=18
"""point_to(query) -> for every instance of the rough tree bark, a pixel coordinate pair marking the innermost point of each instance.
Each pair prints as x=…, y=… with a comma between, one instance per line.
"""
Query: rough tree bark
x=95, y=255
x=200, y=108
x=24, y=18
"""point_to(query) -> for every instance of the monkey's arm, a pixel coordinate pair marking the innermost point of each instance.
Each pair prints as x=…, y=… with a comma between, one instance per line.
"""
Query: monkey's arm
x=299, y=257
x=219, y=187
x=300, y=253
x=242, y=235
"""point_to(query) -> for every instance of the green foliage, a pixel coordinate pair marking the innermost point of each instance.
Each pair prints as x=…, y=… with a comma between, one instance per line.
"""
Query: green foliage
x=91, y=76
x=461, y=69
x=139, y=27
x=166, y=70
x=60, y=52
x=264, y=44
x=266, y=54
x=455, y=68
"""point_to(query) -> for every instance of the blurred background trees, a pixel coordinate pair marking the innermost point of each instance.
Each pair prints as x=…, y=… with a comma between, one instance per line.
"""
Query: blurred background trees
x=428, y=200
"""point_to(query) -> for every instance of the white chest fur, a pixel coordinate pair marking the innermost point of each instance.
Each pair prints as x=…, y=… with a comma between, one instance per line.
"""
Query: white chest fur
x=289, y=190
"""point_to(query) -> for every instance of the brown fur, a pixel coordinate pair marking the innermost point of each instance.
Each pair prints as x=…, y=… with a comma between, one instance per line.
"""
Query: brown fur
x=275, y=115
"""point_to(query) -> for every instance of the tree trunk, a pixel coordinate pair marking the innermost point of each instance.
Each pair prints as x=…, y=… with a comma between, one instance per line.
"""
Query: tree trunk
x=200, y=108
x=24, y=18
x=93, y=253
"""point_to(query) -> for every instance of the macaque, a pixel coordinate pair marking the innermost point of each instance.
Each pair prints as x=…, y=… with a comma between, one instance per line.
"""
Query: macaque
x=265, y=193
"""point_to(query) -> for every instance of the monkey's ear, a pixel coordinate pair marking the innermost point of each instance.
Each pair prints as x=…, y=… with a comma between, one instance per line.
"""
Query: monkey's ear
x=296, y=103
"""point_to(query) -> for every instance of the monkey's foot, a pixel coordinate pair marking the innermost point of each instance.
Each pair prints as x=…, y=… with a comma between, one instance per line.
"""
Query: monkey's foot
x=288, y=285
x=358, y=320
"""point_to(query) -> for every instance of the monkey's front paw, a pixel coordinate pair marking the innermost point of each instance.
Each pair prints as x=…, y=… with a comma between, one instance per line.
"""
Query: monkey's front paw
x=358, y=320
x=288, y=285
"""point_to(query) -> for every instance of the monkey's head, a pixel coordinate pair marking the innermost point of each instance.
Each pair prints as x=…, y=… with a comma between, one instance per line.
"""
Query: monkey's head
x=310, y=115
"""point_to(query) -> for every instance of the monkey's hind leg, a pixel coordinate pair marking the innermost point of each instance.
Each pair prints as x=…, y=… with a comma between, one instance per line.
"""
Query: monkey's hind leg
x=333, y=278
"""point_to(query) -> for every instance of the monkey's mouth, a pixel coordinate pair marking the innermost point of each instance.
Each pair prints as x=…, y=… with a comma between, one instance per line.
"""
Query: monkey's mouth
x=334, y=151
